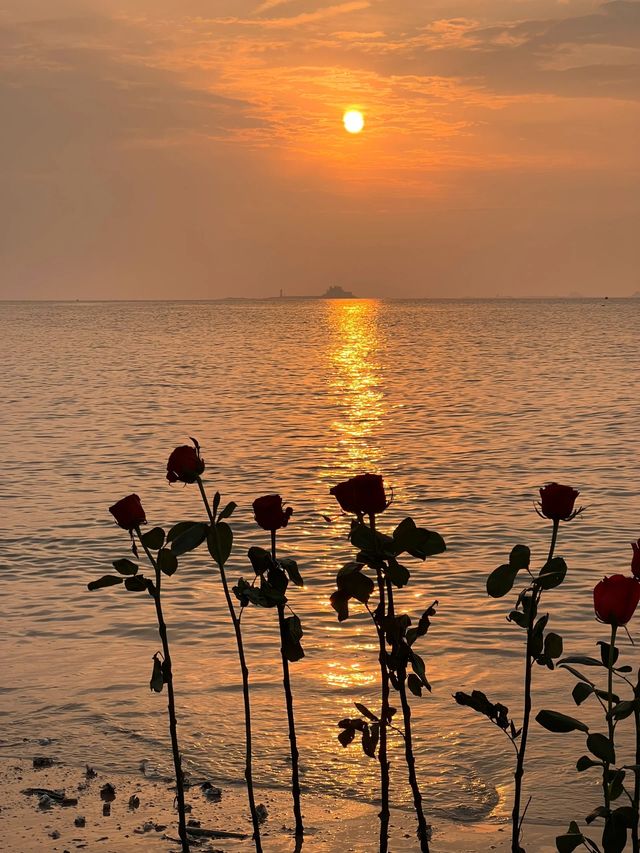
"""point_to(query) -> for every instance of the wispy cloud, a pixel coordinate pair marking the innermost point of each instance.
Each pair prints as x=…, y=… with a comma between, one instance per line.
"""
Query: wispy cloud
x=271, y=4
x=300, y=19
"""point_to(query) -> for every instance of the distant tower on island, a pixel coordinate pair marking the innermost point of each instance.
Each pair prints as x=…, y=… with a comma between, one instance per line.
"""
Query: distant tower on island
x=336, y=292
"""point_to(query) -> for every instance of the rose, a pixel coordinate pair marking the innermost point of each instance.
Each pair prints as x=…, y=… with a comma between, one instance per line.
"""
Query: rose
x=635, y=562
x=557, y=502
x=129, y=512
x=362, y=495
x=185, y=464
x=270, y=513
x=615, y=599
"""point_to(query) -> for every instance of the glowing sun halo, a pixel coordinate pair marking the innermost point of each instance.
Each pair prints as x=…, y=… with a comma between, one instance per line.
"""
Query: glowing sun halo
x=353, y=121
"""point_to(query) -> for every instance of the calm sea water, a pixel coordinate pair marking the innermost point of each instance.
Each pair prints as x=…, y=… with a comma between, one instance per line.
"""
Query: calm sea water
x=465, y=407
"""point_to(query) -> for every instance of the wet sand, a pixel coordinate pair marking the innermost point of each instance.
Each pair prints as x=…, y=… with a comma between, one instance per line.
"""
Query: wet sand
x=333, y=825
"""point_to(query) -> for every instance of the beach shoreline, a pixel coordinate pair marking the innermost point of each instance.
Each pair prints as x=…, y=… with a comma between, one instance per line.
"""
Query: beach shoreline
x=31, y=824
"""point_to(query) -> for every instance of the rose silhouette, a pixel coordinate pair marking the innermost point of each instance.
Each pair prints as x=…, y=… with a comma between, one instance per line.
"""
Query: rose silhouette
x=270, y=512
x=635, y=562
x=361, y=495
x=615, y=599
x=128, y=512
x=185, y=464
x=557, y=502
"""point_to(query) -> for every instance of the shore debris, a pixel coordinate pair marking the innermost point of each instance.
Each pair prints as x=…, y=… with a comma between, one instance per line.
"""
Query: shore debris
x=55, y=796
x=150, y=826
x=198, y=832
x=211, y=793
x=107, y=793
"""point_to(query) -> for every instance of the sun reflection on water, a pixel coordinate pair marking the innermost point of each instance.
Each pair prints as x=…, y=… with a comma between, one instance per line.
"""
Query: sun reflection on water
x=340, y=674
x=355, y=381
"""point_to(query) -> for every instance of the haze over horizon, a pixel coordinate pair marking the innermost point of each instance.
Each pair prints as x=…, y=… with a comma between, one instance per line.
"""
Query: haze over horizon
x=195, y=148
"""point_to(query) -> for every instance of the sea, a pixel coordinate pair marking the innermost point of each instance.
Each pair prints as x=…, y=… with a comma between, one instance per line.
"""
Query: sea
x=465, y=407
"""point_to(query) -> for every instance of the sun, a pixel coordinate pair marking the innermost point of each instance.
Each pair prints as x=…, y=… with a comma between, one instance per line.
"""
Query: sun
x=353, y=121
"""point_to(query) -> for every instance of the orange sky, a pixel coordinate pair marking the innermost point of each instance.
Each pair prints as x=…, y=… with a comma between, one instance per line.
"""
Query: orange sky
x=194, y=148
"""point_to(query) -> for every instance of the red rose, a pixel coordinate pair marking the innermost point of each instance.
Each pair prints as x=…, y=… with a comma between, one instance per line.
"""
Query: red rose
x=361, y=495
x=185, y=464
x=635, y=562
x=615, y=599
x=557, y=502
x=270, y=513
x=129, y=512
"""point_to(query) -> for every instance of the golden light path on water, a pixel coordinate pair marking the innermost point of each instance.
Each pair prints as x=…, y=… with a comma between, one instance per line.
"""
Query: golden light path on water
x=354, y=351
x=355, y=385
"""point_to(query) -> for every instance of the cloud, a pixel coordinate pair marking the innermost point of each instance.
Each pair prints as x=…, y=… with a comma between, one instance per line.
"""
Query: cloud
x=298, y=20
x=616, y=23
x=271, y=4
x=97, y=91
x=595, y=55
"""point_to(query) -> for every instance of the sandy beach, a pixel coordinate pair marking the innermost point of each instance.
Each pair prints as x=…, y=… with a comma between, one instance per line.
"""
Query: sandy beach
x=34, y=821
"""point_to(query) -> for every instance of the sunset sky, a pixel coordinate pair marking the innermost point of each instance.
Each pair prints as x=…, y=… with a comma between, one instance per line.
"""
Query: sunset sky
x=195, y=148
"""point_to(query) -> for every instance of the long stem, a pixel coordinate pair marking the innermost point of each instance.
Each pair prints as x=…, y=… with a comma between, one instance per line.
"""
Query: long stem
x=516, y=822
x=248, y=770
x=384, y=714
x=519, y=773
x=423, y=831
x=611, y=729
x=636, y=789
x=167, y=674
x=293, y=742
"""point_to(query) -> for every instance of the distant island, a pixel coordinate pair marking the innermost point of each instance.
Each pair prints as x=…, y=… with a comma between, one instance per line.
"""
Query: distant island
x=333, y=292
x=336, y=292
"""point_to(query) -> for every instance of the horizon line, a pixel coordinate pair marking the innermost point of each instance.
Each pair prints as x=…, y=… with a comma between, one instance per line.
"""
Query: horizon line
x=277, y=299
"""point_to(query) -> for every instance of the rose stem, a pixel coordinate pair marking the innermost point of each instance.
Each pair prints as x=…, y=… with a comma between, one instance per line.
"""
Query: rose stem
x=286, y=681
x=384, y=715
x=423, y=832
x=167, y=675
x=611, y=727
x=519, y=773
x=248, y=771
x=636, y=787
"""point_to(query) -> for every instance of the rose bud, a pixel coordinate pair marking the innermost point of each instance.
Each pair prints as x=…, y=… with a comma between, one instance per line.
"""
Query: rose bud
x=557, y=502
x=185, y=464
x=635, y=562
x=361, y=495
x=615, y=599
x=129, y=512
x=270, y=513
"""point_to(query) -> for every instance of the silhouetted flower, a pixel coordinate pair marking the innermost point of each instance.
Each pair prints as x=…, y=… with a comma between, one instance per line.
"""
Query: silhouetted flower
x=270, y=513
x=557, y=502
x=185, y=464
x=635, y=562
x=129, y=512
x=361, y=495
x=615, y=599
